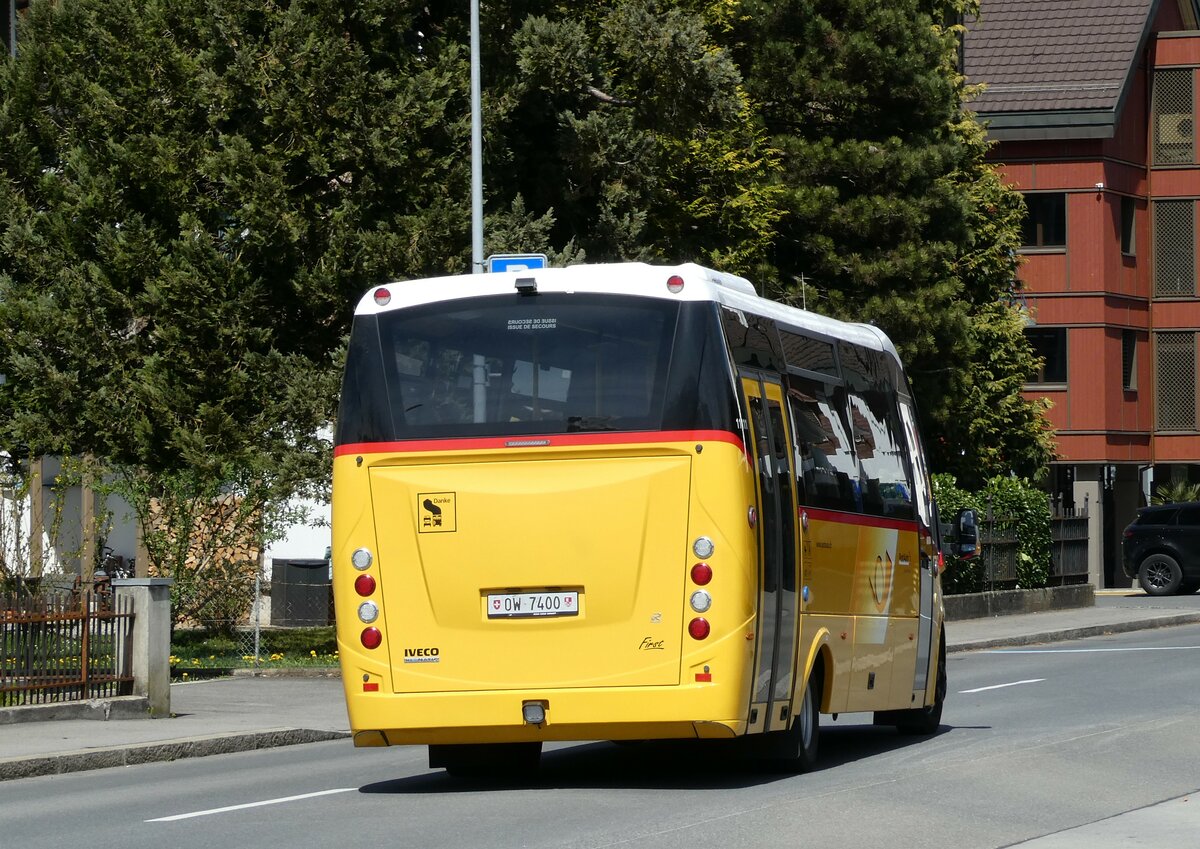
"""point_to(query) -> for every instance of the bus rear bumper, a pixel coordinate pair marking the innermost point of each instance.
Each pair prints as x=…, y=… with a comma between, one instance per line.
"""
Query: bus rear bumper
x=697, y=730
x=497, y=717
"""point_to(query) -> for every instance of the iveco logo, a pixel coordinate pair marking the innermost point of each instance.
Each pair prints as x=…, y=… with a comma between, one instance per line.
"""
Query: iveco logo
x=423, y=655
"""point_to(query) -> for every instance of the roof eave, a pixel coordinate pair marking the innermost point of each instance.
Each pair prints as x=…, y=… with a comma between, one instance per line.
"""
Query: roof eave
x=1056, y=124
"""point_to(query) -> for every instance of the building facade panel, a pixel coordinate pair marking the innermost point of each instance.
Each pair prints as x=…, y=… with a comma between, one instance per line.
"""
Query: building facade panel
x=1175, y=315
x=1175, y=48
x=1044, y=272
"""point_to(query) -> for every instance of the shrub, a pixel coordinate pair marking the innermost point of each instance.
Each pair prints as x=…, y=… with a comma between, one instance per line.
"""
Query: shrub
x=1013, y=500
x=1173, y=493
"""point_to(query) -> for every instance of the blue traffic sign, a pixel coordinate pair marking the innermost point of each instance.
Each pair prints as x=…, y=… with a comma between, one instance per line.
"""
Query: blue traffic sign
x=515, y=262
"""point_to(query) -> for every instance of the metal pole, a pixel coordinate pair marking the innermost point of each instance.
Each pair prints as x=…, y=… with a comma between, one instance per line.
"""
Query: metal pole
x=257, y=614
x=476, y=149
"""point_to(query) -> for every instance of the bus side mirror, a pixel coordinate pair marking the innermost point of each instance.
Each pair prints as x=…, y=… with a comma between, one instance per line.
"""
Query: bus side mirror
x=966, y=543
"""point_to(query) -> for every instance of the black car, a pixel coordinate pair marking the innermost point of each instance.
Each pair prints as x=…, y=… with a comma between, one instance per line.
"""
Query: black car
x=1162, y=548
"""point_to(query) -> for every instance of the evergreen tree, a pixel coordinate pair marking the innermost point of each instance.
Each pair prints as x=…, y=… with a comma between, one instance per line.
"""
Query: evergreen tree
x=193, y=195
x=625, y=129
x=886, y=199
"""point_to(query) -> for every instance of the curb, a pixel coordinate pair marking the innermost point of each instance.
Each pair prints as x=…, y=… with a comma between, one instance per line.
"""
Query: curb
x=1073, y=633
x=101, y=710
x=169, y=750
x=964, y=606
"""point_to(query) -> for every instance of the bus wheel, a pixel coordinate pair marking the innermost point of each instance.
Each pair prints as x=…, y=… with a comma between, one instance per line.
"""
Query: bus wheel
x=807, y=726
x=795, y=750
x=495, y=761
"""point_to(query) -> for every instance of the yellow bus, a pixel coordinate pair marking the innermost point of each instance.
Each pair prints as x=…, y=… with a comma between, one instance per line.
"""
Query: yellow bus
x=626, y=502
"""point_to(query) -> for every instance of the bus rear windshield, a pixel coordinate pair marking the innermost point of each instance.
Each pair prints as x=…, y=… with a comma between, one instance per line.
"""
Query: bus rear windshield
x=551, y=363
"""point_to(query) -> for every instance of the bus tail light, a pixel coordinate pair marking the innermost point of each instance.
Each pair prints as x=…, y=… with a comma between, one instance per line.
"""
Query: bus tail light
x=372, y=638
x=383, y=297
x=698, y=628
x=701, y=574
x=701, y=601
x=368, y=612
x=674, y=284
x=364, y=585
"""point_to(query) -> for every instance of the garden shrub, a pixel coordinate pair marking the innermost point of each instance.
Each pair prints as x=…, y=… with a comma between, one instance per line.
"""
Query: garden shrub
x=1010, y=499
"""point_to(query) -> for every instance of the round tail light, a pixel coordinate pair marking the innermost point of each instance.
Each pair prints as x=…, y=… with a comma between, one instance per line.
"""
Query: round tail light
x=701, y=574
x=372, y=638
x=364, y=585
x=698, y=628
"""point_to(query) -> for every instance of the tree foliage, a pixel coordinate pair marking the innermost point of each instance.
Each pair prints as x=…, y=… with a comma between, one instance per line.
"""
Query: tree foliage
x=1006, y=506
x=194, y=192
x=1175, y=492
x=892, y=214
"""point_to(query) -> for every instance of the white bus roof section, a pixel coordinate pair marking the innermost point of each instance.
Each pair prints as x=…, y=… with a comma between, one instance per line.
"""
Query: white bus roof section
x=628, y=278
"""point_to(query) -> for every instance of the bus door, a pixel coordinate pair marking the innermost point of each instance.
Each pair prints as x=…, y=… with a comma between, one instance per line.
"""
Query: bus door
x=771, y=690
x=923, y=502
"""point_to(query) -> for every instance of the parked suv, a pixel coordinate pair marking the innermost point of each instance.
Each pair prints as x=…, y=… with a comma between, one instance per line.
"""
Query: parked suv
x=1161, y=548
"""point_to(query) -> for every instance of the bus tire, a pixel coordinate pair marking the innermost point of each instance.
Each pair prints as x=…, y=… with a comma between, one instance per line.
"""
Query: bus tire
x=497, y=761
x=926, y=720
x=807, y=727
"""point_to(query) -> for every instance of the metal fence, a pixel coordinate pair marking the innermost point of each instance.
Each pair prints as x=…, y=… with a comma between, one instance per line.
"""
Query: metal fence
x=297, y=595
x=62, y=646
x=1000, y=547
x=1069, y=547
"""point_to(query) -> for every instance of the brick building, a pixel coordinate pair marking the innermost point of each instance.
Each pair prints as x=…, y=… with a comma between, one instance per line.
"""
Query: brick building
x=1092, y=106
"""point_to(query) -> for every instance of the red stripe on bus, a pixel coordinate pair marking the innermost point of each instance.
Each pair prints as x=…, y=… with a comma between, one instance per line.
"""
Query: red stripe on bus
x=845, y=518
x=556, y=440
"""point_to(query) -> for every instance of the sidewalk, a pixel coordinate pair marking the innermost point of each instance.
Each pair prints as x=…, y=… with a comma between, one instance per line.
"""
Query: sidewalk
x=245, y=712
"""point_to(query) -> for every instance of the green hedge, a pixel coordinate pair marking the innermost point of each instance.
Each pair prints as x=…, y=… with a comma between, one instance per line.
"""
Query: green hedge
x=1012, y=499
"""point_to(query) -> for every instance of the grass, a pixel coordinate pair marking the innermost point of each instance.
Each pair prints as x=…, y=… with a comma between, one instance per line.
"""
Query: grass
x=198, y=653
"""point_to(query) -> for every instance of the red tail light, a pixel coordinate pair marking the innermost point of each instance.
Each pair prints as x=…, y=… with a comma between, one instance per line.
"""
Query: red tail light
x=364, y=585
x=698, y=628
x=372, y=638
x=701, y=574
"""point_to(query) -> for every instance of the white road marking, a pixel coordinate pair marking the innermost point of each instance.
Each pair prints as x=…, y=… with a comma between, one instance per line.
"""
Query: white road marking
x=1091, y=651
x=1002, y=686
x=252, y=805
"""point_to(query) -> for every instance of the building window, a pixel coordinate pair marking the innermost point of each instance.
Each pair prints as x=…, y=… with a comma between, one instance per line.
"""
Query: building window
x=1045, y=223
x=1174, y=248
x=1128, y=243
x=1129, y=360
x=1175, y=384
x=1174, y=118
x=1049, y=343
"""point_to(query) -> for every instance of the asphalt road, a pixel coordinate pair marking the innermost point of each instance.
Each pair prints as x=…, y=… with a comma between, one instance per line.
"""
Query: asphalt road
x=1068, y=746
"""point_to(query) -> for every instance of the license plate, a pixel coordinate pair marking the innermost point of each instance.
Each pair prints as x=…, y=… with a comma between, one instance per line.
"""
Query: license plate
x=517, y=605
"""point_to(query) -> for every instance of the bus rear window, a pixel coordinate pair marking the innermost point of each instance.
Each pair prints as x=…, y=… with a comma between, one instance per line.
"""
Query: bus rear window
x=511, y=365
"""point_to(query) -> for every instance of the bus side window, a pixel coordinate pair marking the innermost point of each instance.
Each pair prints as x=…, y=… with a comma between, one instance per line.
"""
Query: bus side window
x=878, y=434
x=826, y=456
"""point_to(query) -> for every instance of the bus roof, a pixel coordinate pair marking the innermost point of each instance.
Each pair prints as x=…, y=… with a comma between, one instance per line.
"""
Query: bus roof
x=628, y=278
